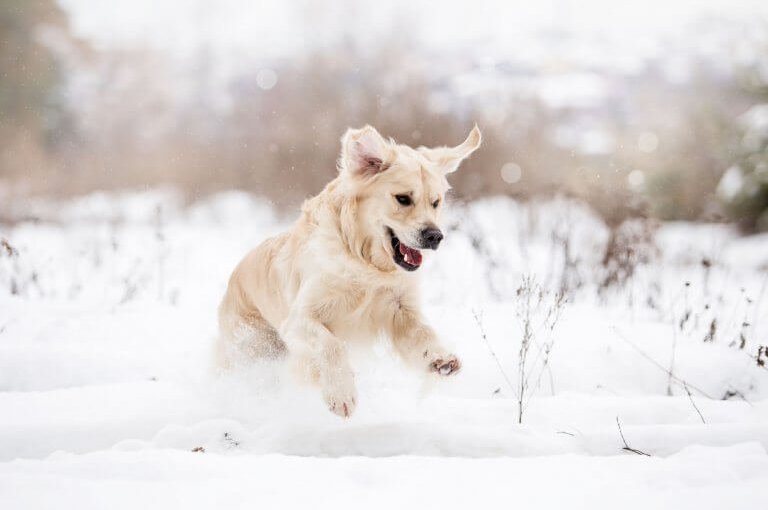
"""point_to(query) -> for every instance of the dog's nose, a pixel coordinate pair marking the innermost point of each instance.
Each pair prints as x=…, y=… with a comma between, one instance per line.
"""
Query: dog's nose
x=431, y=237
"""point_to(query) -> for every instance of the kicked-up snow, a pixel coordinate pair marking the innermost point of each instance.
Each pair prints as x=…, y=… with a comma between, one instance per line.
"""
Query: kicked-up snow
x=650, y=391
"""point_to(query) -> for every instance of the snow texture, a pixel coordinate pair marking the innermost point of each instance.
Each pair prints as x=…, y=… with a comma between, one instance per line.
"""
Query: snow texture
x=108, y=398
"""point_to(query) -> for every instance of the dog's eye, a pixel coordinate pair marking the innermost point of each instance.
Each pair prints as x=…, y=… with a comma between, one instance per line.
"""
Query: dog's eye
x=436, y=203
x=403, y=199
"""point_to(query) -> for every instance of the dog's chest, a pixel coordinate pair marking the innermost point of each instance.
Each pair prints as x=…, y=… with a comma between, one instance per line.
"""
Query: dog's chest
x=367, y=311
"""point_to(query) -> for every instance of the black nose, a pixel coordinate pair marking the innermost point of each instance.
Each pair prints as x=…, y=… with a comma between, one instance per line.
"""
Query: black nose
x=431, y=237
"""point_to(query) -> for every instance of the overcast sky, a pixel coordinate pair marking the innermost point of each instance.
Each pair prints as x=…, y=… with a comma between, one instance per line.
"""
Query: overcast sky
x=274, y=28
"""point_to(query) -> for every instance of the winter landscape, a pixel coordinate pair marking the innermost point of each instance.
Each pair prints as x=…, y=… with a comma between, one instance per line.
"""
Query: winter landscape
x=603, y=277
x=646, y=388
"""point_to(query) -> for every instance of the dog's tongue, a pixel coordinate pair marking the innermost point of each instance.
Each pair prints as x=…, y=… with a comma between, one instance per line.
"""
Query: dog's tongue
x=411, y=256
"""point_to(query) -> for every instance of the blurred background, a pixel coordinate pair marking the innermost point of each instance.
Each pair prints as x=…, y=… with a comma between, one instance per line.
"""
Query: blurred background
x=655, y=109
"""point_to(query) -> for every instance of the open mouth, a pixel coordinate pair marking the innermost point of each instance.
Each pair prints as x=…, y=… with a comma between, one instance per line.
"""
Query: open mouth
x=404, y=256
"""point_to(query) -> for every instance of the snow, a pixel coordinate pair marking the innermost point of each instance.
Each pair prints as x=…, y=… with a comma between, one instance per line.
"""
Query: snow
x=697, y=477
x=106, y=383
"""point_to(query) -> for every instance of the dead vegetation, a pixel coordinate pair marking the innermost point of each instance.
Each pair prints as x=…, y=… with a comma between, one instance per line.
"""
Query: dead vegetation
x=132, y=128
x=15, y=275
x=537, y=312
x=626, y=446
x=630, y=245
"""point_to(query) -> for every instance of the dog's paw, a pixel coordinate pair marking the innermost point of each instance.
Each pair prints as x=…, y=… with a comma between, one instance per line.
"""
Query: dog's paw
x=339, y=392
x=341, y=403
x=444, y=364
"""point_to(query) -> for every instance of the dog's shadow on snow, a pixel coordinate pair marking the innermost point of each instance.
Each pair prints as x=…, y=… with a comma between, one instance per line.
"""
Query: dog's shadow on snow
x=415, y=438
x=260, y=410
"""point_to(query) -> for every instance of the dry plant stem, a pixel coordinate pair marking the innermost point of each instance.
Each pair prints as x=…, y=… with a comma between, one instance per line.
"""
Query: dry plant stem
x=674, y=339
x=757, y=361
x=657, y=364
x=523, y=355
x=672, y=361
x=624, y=440
x=538, y=312
x=553, y=316
x=479, y=321
x=533, y=302
x=693, y=403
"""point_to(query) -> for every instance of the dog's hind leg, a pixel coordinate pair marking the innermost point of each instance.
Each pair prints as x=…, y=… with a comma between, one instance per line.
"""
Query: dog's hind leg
x=243, y=339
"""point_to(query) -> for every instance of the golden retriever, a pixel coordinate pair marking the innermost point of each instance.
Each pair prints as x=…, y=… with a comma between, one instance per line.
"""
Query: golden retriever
x=345, y=271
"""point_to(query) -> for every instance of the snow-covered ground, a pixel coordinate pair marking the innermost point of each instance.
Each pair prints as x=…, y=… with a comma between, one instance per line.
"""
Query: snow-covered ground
x=108, y=398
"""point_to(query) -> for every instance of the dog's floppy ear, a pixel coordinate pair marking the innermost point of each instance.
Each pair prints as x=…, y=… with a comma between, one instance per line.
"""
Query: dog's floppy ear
x=449, y=158
x=363, y=152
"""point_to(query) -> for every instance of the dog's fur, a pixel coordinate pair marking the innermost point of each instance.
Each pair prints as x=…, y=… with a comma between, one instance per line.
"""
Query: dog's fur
x=339, y=276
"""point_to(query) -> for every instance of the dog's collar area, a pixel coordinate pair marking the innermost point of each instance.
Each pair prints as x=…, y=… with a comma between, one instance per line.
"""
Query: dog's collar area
x=404, y=256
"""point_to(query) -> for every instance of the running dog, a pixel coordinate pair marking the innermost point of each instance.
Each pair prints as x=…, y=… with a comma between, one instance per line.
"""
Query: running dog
x=345, y=271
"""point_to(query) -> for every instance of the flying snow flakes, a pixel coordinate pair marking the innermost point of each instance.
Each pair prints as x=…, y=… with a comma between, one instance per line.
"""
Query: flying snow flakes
x=266, y=79
x=636, y=179
x=511, y=172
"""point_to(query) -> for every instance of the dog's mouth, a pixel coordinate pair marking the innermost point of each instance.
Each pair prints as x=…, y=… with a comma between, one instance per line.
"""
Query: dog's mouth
x=404, y=256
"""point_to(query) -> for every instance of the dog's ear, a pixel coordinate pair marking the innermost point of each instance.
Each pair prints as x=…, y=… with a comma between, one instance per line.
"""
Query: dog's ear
x=449, y=158
x=363, y=152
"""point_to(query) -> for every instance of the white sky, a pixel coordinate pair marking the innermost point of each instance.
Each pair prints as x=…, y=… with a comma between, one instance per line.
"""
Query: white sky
x=266, y=28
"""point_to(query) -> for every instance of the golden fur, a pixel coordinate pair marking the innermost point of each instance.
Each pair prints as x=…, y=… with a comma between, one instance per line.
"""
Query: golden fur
x=333, y=278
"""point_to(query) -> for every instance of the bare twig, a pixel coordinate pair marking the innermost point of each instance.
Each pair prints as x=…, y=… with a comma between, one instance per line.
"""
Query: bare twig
x=657, y=364
x=672, y=362
x=683, y=320
x=538, y=312
x=626, y=445
x=479, y=321
x=690, y=397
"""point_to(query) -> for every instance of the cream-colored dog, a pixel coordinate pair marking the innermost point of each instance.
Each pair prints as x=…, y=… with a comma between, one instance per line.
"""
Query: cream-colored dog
x=345, y=271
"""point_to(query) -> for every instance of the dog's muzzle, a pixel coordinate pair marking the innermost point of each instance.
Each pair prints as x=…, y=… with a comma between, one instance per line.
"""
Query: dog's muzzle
x=431, y=237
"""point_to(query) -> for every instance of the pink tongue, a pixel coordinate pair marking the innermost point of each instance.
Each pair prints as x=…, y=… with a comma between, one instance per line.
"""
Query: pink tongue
x=413, y=257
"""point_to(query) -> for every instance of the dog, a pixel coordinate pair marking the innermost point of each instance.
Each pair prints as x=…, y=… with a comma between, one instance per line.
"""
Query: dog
x=345, y=270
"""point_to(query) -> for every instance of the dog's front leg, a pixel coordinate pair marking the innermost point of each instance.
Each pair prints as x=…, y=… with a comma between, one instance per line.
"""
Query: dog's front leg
x=418, y=345
x=315, y=349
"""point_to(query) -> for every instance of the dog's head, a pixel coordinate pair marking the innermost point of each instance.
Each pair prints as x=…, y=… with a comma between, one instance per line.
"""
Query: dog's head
x=399, y=193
